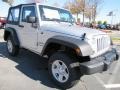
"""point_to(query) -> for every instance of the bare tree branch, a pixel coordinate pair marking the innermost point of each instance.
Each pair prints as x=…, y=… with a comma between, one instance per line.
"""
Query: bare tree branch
x=89, y=8
x=10, y=2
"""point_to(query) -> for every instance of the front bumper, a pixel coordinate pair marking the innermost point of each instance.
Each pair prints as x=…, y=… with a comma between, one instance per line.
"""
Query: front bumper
x=100, y=63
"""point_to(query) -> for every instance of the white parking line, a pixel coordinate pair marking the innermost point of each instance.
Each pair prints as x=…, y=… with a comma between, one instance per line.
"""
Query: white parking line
x=112, y=86
x=115, y=71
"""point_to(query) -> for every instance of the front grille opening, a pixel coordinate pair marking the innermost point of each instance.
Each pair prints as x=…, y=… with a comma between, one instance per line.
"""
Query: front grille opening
x=102, y=43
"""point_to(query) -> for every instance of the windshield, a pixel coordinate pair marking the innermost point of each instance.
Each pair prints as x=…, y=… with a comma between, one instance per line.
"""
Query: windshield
x=54, y=14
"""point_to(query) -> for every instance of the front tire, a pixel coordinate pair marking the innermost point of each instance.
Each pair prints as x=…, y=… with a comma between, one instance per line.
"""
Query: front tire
x=12, y=49
x=61, y=72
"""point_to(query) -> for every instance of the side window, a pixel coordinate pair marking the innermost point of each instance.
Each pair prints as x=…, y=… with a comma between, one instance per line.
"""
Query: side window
x=28, y=11
x=65, y=16
x=14, y=15
x=10, y=18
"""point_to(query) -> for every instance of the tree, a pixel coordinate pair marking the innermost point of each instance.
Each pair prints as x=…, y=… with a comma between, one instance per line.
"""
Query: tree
x=99, y=22
x=88, y=13
x=10, y=2
x=94, y=4
x=105, y=22
x=75, y=6
x=89, y=8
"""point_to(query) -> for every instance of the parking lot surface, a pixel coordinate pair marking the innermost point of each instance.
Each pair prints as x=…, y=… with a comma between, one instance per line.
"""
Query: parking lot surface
x=28, y=71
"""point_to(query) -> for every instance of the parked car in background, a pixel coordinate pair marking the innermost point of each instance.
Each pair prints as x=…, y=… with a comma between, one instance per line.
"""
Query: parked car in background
x=101, y=26
x=119, y=27
x=2, y=22
x=115, y=27
x=108, y=26
x=87, y=24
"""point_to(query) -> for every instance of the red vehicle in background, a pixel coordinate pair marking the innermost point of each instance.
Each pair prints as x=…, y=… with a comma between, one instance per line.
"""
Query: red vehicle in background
x=2, y=22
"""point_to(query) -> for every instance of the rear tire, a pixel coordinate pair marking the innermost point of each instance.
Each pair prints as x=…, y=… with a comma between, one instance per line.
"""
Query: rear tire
x=61, y=72
x=12, y=49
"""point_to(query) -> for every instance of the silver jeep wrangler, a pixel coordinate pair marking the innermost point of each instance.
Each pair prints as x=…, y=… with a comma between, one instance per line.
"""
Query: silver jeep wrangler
x=72, y=51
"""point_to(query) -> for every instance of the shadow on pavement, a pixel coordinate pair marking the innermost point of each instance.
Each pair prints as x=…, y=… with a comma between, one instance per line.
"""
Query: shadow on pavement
x=30, y=64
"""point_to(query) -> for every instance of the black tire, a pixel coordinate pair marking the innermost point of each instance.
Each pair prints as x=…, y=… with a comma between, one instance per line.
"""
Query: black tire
x=74, y=73
x=15, y=49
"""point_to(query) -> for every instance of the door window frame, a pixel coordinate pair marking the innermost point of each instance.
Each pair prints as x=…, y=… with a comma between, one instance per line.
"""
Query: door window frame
x=10, y=13
x=22, y=12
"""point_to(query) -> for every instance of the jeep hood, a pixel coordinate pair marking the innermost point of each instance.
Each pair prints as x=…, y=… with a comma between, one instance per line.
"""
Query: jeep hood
x=68, y=29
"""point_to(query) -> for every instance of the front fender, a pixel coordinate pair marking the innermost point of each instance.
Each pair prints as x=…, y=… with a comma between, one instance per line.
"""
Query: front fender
x=85, y=49
x=10, y=31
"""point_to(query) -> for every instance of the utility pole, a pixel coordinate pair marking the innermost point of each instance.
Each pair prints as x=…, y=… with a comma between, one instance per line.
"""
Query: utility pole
x=112, y=19
x=111, y=15
x=93, y=13
x=83, y=12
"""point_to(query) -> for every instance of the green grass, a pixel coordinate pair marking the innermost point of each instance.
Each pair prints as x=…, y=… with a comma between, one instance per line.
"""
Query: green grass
x=116, y=39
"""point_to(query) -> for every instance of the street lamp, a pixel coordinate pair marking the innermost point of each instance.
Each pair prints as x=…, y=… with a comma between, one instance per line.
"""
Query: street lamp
x=111, y=14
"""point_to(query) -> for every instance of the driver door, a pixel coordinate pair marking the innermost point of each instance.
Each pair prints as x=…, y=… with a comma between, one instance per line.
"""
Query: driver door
x=28, y=33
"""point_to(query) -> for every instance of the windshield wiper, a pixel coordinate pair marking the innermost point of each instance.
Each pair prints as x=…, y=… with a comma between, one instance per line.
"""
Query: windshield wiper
x=58, y=20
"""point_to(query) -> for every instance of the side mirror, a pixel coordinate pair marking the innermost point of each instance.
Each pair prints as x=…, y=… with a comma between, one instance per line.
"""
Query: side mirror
x=31, y=19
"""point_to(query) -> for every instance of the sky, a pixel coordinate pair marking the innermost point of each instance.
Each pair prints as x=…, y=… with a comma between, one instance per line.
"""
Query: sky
x=105, y=7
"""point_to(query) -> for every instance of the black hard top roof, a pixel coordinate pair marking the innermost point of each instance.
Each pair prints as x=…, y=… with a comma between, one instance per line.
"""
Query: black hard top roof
x=22, y=5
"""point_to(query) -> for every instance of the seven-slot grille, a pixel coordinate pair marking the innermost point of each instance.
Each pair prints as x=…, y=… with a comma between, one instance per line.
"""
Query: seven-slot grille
x=102, y=43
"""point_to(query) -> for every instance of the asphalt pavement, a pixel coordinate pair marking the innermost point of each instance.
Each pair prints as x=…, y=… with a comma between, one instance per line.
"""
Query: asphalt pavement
x=28, y=71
